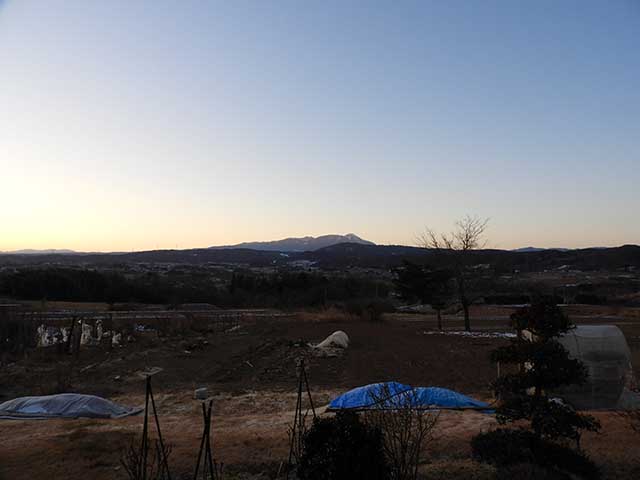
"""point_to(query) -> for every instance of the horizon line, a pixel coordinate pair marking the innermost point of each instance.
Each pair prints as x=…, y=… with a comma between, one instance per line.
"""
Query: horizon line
x=66, y=251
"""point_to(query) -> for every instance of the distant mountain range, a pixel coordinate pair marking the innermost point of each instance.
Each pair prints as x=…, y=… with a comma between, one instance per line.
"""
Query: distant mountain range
x=347, y=255
x=286, y=245
x=30, y=251
x=557, y=249
x=338, y=252
x=300, y=244
x=538, y=249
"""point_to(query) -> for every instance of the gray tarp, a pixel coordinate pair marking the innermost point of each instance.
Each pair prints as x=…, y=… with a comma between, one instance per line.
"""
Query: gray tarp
x=64, y=405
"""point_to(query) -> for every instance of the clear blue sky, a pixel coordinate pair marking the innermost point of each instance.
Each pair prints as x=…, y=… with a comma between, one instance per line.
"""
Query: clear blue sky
x=133, y=125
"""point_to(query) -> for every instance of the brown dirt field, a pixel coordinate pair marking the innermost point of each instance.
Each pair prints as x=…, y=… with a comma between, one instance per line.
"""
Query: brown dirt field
x=251, y=374
x=261, y=355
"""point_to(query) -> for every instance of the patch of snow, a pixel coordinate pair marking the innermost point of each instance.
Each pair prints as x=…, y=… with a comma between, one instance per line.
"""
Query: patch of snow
x=463, y=333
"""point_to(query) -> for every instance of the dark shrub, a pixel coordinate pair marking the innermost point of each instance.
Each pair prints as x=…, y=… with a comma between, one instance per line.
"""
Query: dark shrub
x=566, y=459
x=17, y=332
x=590, y=299
x=343, y=447
x=504, y=447
x=369, y=310
x=527, y=471
x=507, y=299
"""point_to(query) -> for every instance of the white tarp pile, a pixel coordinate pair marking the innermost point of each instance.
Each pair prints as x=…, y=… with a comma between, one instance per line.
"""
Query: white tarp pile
x=64, y=405
x=337, y=339
x=333, y=345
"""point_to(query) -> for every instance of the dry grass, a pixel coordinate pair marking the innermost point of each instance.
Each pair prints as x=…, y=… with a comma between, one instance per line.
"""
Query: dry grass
x=76, y=306
x=330, y=314
x=457, y=470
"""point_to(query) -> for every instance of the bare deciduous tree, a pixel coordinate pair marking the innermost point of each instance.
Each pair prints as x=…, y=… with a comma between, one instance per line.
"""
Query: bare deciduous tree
x=468, y=235
x=406, y=429
x=133, y=458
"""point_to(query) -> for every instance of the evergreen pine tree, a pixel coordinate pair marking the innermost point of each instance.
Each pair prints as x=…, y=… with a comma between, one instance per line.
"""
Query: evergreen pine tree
x=540, y=365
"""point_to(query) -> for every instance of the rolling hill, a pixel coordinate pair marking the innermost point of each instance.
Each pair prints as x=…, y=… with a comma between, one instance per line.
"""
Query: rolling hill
x=300, y=244
x=345, y=255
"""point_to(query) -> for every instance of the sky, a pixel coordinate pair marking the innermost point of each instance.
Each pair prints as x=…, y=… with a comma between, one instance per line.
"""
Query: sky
x=155, y=124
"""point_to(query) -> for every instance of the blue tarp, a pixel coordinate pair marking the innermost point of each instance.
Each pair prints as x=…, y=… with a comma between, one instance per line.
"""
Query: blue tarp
x=445, y=398
x=396, y=394
x=363, y=397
